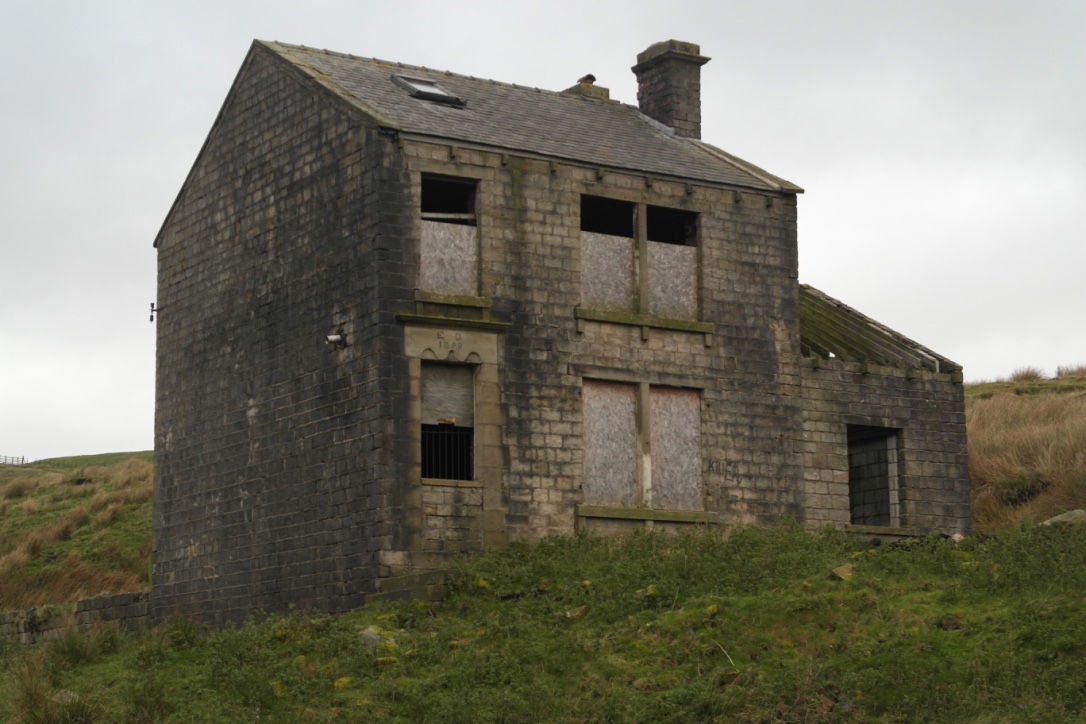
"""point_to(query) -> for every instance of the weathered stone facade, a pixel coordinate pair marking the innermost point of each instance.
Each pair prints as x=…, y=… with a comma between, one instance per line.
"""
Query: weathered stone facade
x=290, y=471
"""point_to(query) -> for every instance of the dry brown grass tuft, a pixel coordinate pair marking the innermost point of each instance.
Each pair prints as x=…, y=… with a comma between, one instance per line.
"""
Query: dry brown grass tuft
x=108, y=515
x=132, y=472
x=18, y=488
x=70, y=533
x=1027, y=374
x=1072, y=371
x=1027, y=457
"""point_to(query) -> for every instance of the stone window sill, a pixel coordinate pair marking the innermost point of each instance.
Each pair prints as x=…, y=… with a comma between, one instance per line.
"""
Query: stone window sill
x=887, y=531
x=645, y=321
x=621, y=513
x=452, y=483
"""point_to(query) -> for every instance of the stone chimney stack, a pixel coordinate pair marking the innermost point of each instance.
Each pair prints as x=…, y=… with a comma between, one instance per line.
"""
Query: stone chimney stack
x=669, y=85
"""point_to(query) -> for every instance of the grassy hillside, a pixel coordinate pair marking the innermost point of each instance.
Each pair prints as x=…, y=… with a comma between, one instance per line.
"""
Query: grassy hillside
x=753, y=628
x=1027, y=447
x=75, y=527
x=647, y=628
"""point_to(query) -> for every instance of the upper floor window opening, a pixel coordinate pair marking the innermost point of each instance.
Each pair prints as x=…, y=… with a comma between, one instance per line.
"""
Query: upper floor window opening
x=639, y=258
x=449, y=241
x=448, y=199
x=671, y=226
x=607, y=216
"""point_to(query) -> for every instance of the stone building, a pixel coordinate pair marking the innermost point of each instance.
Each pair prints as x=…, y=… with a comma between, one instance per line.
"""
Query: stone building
x=406, y=313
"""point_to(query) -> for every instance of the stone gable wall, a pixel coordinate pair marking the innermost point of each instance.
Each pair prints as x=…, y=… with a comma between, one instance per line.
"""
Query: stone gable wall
x=269, y=457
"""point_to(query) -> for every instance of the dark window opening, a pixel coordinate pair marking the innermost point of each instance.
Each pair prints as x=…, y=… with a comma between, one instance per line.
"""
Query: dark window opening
x=447, y=452
x=607, y=216
x=873, y=475
x=672, y=226
x=450, y=200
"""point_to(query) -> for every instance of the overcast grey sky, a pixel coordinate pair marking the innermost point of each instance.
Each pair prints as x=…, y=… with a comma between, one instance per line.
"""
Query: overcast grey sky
x=942, y=146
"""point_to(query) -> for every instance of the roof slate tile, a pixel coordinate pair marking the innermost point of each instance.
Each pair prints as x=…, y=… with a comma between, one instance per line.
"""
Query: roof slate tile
x=572, y=127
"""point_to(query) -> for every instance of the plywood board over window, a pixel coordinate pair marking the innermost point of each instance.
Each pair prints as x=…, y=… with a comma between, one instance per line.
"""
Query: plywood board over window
x=673, y=273
x=675, y=442
x=607, y=271
x=610, y=443
x=672, y=256
x=449, y=243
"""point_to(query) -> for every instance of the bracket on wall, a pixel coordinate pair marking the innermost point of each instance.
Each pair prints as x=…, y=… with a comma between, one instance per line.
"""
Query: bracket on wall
x=153, y=310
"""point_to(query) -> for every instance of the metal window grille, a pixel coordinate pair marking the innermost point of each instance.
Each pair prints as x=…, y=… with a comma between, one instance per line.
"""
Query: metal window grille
x=447, y=452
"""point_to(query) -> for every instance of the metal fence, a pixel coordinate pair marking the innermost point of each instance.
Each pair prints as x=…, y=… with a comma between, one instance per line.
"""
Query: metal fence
x=7, y=460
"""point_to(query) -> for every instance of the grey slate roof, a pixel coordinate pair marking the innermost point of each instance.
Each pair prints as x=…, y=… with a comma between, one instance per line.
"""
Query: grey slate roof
x=566, y=126
x=828, y=327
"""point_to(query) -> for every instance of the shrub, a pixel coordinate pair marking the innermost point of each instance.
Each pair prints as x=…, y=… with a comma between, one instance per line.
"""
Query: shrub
x=1073, y=371
x=1027, y=374
x=17, y=489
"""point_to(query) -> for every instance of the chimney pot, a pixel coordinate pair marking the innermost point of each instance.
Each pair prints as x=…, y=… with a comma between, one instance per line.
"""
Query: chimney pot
x=669, y=85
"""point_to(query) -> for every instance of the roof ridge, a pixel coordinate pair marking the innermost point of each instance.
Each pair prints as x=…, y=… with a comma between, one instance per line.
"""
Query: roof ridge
x=400, y=64
x=601, y=132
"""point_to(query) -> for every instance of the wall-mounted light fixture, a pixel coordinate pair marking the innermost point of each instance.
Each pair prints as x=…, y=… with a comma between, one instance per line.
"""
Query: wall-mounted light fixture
x=338, y=340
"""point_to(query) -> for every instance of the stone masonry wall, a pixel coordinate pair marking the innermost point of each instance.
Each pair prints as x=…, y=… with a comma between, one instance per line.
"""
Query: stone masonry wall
x=929, y=411
x=127, y=611
x=746, y=368
x=269, y=456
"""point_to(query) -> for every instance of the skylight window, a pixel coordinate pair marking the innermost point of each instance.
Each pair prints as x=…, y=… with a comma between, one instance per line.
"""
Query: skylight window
x=427, y=90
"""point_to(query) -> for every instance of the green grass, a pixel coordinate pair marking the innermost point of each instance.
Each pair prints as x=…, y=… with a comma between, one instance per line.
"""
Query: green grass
x=692, y=628
x=79, y=461
x=1030, y=381
x=72, y=528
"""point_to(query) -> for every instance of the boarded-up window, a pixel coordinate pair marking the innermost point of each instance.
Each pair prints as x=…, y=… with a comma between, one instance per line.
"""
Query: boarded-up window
x=607, y=253
x=673, y=273
x=449, y=247
x=675, y=443
x=665, y=285
x=448, y=258
x=448, y=419
x=611, y=434
x=672, y=262
x=607, y=271
x=610, y=443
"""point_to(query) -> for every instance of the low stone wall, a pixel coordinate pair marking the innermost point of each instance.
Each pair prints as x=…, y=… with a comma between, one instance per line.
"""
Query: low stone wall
x=127, y=611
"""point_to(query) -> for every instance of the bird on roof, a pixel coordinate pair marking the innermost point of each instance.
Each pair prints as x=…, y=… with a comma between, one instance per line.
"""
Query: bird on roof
x=587, y=79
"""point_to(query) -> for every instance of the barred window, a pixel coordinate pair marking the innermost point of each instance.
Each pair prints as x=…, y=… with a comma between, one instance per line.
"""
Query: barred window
x=448, y=420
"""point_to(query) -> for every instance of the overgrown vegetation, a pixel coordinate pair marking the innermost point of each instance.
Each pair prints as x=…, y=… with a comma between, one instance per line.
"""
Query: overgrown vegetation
x=1027, y=447
x=71, y=528
x=691, y=628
